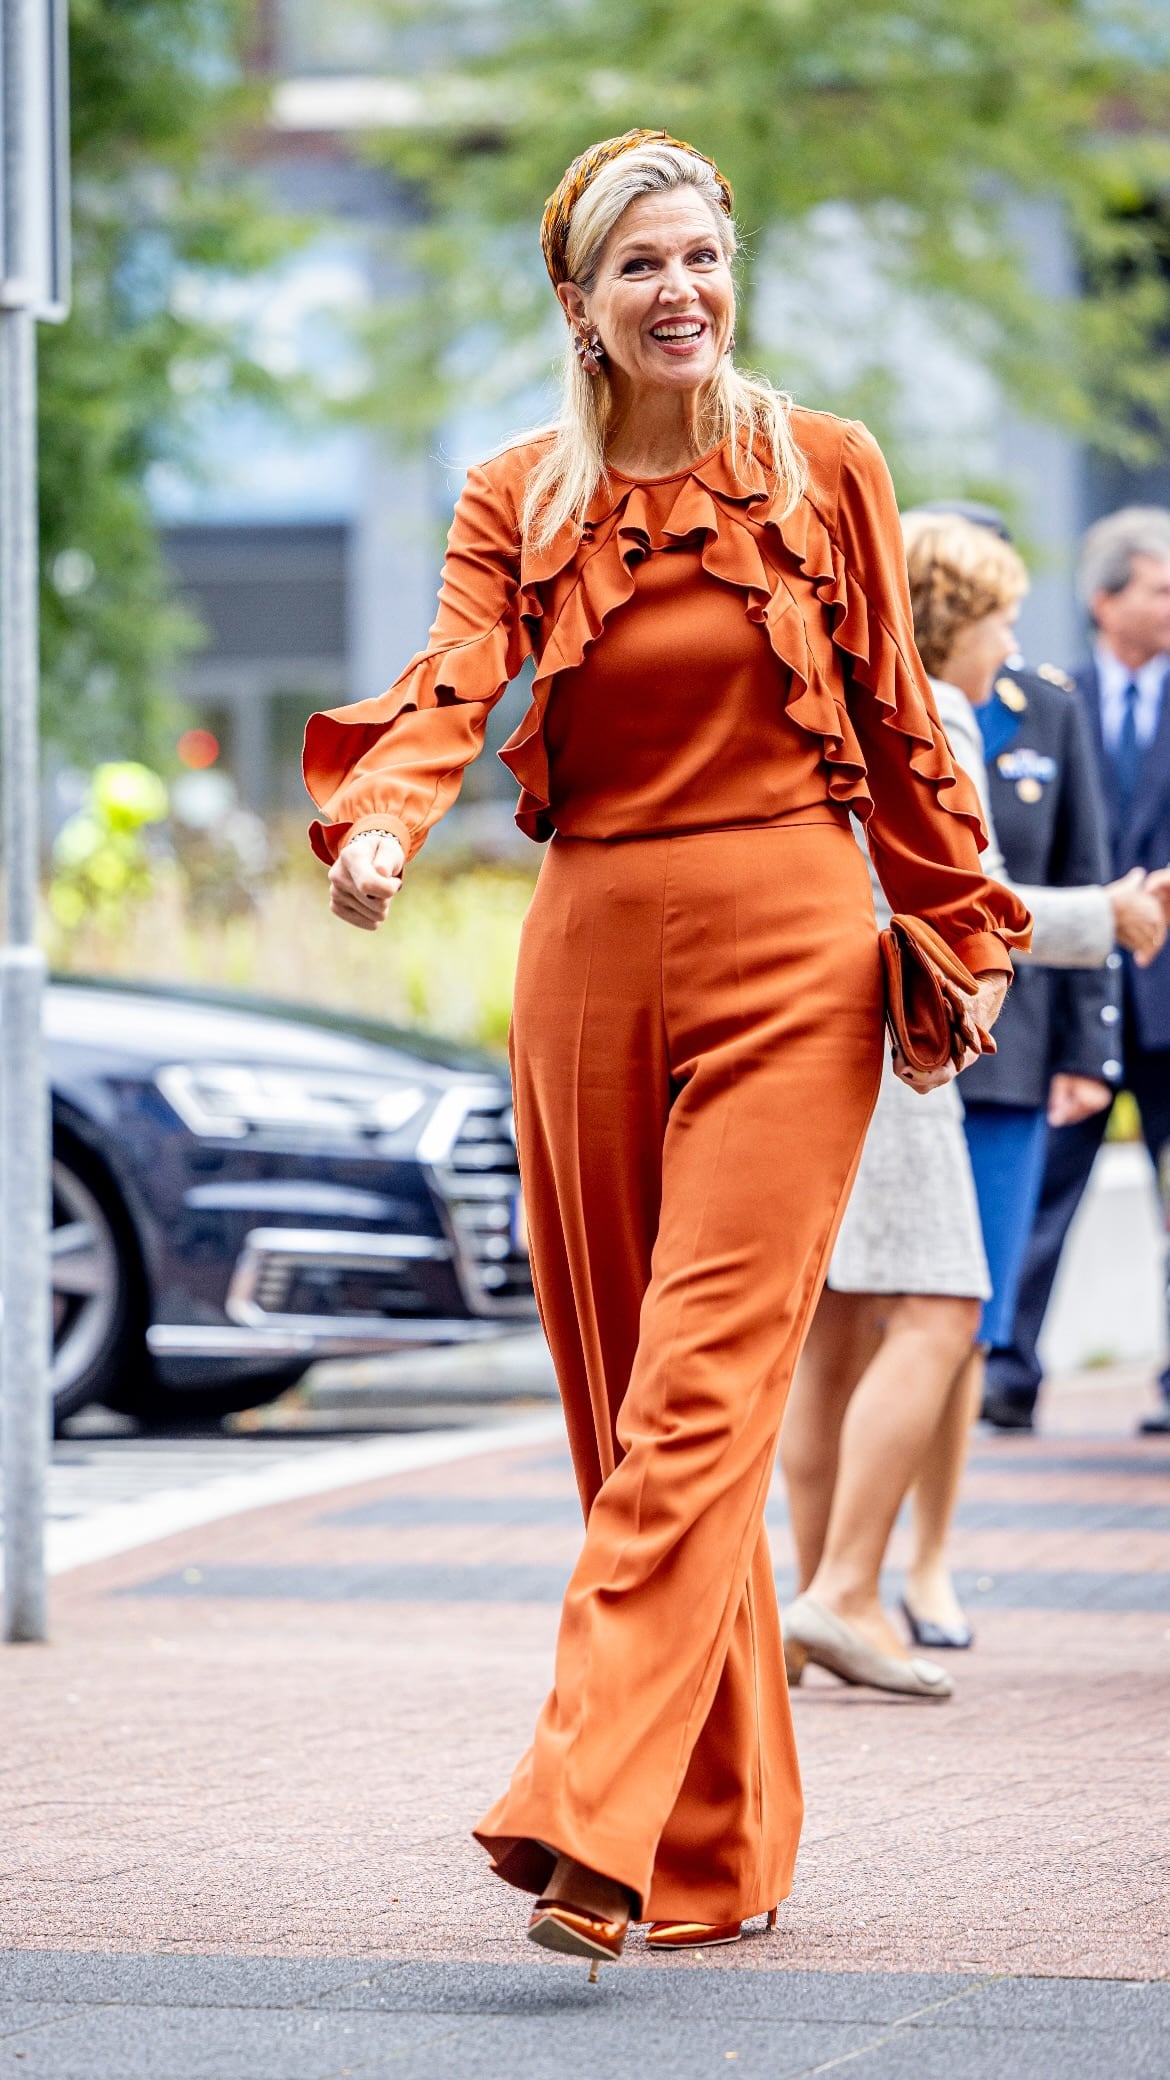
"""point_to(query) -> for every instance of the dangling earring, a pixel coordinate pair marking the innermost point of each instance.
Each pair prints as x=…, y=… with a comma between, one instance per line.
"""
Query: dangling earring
x=589, y=350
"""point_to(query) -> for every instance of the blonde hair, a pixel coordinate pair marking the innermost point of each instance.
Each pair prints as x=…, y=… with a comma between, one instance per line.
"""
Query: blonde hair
x=742, y=409
x=959, y=572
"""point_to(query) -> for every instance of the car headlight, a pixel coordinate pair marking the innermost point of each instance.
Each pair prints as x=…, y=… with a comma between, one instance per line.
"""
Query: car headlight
x=230, y=1100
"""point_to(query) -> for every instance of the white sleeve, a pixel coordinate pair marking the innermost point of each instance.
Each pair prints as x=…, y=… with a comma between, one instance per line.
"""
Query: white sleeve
x=1071, y=927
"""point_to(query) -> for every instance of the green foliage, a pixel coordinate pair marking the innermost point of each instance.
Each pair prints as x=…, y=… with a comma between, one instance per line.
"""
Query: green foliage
x=932, y=120
x=101, y=864
x=156, y=99
x=452, y=950
x=136, y=850
x=1124, y=1119
x=444, y=962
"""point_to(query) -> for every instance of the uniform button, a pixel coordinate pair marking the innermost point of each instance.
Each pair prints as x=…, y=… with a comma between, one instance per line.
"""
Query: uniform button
x=1111, y=1069
x=1113, y=961
x=1109, y=1014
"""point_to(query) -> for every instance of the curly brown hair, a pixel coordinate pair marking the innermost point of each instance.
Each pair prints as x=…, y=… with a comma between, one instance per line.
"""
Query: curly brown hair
x=958, y=573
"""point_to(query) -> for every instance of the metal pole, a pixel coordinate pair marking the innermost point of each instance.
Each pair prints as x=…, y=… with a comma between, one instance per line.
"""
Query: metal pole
x=24, y=1111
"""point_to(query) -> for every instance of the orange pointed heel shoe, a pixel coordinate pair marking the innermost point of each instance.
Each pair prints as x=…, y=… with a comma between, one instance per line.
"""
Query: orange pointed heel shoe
x=575, y=1932
x=697, y=1935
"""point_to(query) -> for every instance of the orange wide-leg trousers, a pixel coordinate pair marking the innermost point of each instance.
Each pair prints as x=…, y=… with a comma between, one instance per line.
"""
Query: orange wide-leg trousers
x=697, y=1044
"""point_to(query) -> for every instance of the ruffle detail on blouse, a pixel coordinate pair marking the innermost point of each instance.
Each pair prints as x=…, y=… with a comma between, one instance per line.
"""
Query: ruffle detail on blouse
x=575, y=584
x=339, y=738
x=823, y=628
x=872, y=659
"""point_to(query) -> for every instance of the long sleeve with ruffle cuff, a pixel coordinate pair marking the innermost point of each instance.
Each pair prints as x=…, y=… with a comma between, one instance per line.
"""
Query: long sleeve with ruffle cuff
x=392, y=763
x=923, y=822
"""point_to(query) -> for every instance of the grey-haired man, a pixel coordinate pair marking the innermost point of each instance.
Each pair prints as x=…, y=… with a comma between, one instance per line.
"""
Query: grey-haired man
x=1125, y=587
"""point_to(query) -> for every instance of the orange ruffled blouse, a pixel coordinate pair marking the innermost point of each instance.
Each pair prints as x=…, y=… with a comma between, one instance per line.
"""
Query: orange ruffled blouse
x=699, y=662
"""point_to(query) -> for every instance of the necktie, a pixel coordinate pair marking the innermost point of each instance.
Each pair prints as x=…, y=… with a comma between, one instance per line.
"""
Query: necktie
x=1127, y=754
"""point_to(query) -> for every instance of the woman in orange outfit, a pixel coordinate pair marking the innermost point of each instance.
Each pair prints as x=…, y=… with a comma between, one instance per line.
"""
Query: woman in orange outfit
x=712, y=588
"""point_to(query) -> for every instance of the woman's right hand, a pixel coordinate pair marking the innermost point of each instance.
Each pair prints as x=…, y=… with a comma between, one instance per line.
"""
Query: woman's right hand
x=921, y=1080
x=364, y=877
x=1139, y=917
x=991, y=988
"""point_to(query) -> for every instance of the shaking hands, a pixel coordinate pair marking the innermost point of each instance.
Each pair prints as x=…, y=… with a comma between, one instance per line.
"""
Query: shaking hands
x=1141, y=912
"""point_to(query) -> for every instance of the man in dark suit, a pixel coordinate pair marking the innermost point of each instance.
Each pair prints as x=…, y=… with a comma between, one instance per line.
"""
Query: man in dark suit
x=1125, y=692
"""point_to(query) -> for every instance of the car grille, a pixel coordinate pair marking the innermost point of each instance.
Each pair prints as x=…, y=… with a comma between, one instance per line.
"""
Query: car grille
x=478, y=1179
x=286, y=1274
x=340, y=1286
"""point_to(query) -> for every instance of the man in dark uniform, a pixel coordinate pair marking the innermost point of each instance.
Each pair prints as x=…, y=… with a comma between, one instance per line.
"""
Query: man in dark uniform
x=1125, y=699
x=1051, y=828
x=1059, y=1047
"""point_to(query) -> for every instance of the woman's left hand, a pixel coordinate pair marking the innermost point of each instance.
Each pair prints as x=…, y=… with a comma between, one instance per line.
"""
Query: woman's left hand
x=986, y=1005
x=990, y=991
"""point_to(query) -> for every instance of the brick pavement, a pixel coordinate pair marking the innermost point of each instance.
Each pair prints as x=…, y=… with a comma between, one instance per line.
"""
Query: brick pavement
x=266, y=1739
x=238, y=1787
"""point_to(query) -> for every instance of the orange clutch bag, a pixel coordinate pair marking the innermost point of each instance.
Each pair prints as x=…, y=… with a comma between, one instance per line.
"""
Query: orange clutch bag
x=929, y=997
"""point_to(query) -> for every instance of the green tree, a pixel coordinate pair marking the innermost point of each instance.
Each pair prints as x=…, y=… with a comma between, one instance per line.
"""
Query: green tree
x=931, y=120
x=158, y=99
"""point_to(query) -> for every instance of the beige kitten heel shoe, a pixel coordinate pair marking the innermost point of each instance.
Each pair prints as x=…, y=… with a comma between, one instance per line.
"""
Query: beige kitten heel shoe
x=814, y=1633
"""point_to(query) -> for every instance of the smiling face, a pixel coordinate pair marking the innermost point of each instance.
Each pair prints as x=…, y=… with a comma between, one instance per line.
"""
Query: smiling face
x=663, y=300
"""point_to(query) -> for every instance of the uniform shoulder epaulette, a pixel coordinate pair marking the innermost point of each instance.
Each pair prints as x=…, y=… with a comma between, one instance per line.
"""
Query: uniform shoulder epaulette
x=1056, y=677
x=1012, y=694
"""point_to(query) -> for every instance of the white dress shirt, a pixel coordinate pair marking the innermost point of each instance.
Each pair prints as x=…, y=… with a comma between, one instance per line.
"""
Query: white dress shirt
x=1113, y=678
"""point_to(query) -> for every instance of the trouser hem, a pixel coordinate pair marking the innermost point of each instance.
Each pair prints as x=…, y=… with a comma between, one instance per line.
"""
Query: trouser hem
x=527, y=1863
x=527, y=1860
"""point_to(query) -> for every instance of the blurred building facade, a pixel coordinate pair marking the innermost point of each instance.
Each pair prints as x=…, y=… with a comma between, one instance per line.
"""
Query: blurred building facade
x=310, y=557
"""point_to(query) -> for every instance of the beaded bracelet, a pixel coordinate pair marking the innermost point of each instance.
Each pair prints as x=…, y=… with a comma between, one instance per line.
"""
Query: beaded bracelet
x=373, y=834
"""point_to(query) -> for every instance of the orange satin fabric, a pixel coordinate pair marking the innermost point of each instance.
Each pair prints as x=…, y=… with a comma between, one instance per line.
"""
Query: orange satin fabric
x=715, y=733
x=825, y=595
x=696, y=1048
x=697, y=1044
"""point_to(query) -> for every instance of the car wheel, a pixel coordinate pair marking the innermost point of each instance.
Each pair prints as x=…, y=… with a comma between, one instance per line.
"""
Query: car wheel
x=167, y=1409
x=98, y=1315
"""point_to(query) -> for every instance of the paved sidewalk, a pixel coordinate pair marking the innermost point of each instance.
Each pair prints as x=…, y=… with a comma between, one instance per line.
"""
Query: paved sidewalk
x=239, y=1785
x=238, y=2018
x=110, y=1493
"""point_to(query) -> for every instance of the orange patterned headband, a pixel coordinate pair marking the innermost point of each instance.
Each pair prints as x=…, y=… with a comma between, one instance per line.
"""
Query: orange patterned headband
x=558, y=210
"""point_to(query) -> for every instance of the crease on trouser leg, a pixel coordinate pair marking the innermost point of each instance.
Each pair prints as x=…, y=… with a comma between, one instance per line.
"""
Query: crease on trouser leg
x=664, y=1561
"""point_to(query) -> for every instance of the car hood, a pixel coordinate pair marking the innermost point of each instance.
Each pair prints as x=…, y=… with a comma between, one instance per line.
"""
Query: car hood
x=152, y=1026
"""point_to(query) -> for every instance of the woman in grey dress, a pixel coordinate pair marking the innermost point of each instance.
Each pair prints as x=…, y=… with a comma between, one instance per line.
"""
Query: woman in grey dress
x=896, y=1326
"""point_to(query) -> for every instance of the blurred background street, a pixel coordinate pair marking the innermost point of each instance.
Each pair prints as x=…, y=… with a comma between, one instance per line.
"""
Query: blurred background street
x=284, y=349
x=309, y=1508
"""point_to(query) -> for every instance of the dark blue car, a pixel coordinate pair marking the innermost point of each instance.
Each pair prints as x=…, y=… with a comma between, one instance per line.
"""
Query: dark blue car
x=240, y=1188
